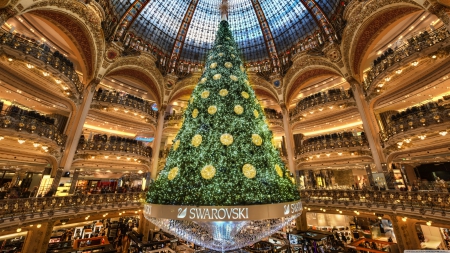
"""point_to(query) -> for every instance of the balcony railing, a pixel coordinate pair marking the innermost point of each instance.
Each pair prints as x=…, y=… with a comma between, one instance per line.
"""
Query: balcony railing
x=42, y=52
x=173, y=120
x=23, y=124
x=421, y=201
x=49, y=206
x=333, y=141
x=417, y=117
x=128, y=101
x=413, y=45
x=124, y=147
x=320, y=100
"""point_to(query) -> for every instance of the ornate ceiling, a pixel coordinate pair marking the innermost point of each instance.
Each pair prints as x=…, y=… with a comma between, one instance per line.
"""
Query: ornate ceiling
x=187, y=28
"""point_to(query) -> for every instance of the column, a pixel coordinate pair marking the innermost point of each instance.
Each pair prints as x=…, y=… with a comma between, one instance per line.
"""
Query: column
x=157, y=142
x=73, y=185
x=289, y=138
x=56, y=178
x=369, y=123
x=301, y=222
x=75, y=124
x=38, y=237
x=146, y=228
x=405, y=233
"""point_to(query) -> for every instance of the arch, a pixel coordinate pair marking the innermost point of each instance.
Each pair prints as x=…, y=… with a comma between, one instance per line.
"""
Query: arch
x=264, y=92
x=139, y=75
x=184, y=91
x=82, y=25
x=304, y=76
x=365, y=23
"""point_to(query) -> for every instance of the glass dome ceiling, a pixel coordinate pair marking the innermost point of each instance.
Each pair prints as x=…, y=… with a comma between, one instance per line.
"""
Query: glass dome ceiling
x=158, y=22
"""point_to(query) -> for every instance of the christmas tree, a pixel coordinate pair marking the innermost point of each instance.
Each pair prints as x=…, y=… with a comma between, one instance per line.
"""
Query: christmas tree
x=224, y=153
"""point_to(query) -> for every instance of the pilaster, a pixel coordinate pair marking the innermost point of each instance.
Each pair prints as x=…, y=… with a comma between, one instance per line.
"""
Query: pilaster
x=369, y=123
x=301, y=222
x=289, y=139
x=73, y=185
x=405, y=233
x=38, y=237
x=157, y=143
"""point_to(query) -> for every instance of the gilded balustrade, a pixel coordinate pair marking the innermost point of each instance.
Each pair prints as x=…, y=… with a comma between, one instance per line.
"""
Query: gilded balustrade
x=402, y=53
x=116, y=146
x=423, y=202
x=23, y=124
x=332, y=142
x=43, y=54
x=30, y=208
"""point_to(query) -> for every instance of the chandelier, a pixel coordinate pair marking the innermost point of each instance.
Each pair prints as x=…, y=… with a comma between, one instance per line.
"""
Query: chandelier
x=224, y=185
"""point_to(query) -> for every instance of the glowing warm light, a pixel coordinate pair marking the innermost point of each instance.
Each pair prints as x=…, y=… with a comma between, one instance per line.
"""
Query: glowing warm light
x=118, y=157
x=30, y=66
x=429, y=223
x=443, y=133
x=58, y=81
x=109, y=130
x=387, y=79
x=415, y=63
x=106, y=156
x=10, y=59
x=21, y=141
x=328, y=155
x=340, y=153
x=18, y=230
x=45, y=73
x=36, y=144
x=422, y=137
x=2, y=138
x=334, y=129
x=434, y=56
x=38, y=225
x=408, y=140
x=404, y=218
x=398, y=71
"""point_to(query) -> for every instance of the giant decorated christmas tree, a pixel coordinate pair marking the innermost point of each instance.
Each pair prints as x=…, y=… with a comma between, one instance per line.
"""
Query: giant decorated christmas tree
x=224, y=153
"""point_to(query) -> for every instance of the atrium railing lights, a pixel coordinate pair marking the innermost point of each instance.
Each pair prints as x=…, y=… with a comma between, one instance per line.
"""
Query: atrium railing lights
x=414, y=118
x=42, y=53
x=320, y=101
x=333, y=141
x=52, y=206
x=413, y=45
x=115, y=146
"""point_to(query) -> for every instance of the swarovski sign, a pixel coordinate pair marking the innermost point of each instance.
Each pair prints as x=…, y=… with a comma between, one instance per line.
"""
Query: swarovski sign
x=223, y=213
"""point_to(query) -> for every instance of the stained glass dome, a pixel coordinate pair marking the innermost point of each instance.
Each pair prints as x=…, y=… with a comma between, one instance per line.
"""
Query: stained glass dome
x=261, y=27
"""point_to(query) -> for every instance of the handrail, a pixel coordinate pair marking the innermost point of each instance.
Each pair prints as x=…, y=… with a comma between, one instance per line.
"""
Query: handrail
x=33, y=126
x=413, y=45
x=42, y=53
x=332, y=141
x=28, y=207
x=116, y=146
x=319, y=99
x=422, y=200
x=414, y=120
x=127, y=101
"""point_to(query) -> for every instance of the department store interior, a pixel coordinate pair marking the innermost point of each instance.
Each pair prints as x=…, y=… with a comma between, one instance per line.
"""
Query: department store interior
x=94, y=92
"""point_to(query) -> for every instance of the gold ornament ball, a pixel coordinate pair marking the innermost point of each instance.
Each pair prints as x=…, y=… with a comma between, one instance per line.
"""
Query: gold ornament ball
x=228, y=65
x=220, y=54
x=293, y=180
x=205, y=94
x=242, y=68
x=194, y=113
x=274, y=143
x=217, y=76
x=256, y=113
x=245, y=95
x=196, y=140
x=223, y=92
x=247, y=82
x=176, y=145
x=233, y=56
x=208, y=172
x=212, y=109
x=249, y=171
x=256, y=139
x=172, y=173
x=213, y=65
x=191, y=100
x=279, y=170
x=238, y=109
x=203, y=80
x=234, y=78
x=226, y=139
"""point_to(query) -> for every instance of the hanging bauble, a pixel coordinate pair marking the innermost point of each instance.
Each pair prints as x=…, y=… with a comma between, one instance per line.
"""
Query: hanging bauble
x=208, y=172
x=194, y=113
x=256, y=139
x=234, y=78
x=228, y=65
x=245, y=95
x=226, y=139
x=249, y=171
x=212, y=109
x=228, y=38
x=172, y=173
x=223, y=92
x=217, y=76
x=213, y=65
x=196, y=140
x=238, y=109
x=256, y=113
x=220, y=54
x=279, y=170
x=205, y=94
x=233, y=56
x=176, y=145
x=203, y=80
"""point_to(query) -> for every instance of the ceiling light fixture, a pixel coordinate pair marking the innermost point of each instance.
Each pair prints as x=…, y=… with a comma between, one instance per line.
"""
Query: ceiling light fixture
x=404, y=218
x=36, y=144
x=443, y=133
x=398, y=71
x=422, y=137
x=21, y=140
x=414, y=63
